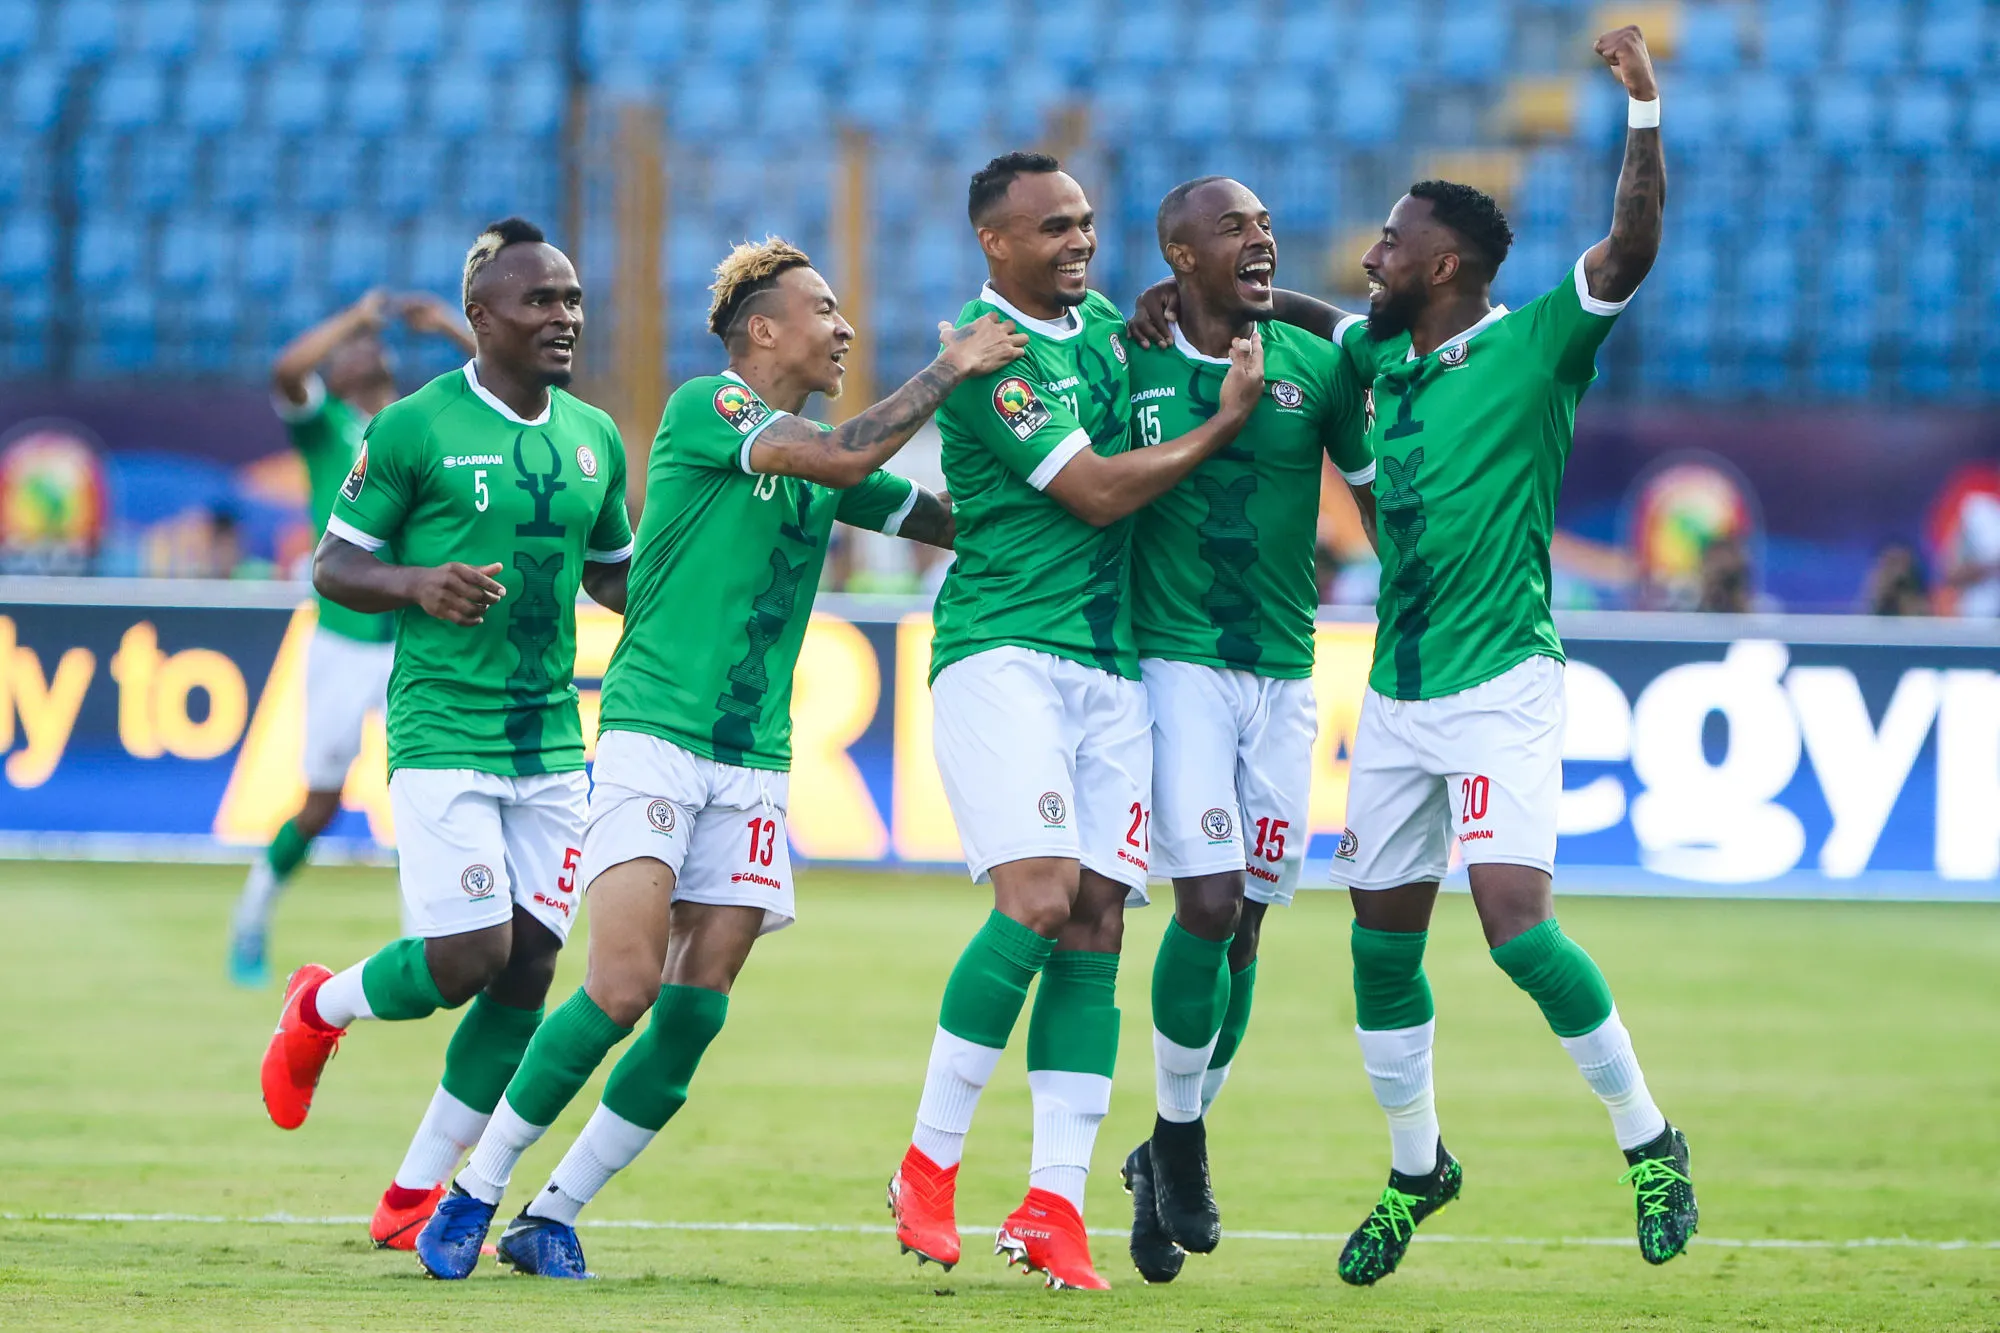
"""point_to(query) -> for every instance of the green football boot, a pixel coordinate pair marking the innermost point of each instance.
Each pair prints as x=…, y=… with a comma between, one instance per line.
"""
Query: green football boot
x=1658, y=1174
x=1377, y=1246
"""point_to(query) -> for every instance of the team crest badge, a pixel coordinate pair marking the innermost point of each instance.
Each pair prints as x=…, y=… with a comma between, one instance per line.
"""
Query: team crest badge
x=1286, y=394
x=1452, y=357
x=357, y=476
x=477, y=881
x=1347, y=845
x=586, y=461
x=1217, y=824
x=1052, y=807
x=740, y=408
x=660, y=814
x=1117, y=348
x=1014, y=399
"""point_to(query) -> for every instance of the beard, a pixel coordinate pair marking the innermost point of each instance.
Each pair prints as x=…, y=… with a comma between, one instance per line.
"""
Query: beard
x=1070, y=300
x=558, y=379
x=1397, y=314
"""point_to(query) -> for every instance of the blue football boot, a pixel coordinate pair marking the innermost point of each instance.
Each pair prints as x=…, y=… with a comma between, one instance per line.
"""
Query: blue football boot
x=448, y=1246
x=542, y=1247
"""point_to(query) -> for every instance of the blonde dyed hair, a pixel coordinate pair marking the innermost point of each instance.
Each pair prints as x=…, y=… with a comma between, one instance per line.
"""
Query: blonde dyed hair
x=752, y=267
x=493, y=238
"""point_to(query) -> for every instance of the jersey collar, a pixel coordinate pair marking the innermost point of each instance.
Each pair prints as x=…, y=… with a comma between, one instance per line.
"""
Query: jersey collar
x=472, y=379
x=1493, y=316
x=1061, y=331
x=1193, y=353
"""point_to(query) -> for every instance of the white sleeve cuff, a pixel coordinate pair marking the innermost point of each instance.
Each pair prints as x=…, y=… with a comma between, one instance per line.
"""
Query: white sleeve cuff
x=1340, y=329
x=352, y=535
x=290, y=412
x=894, y=523
x=1058, y=458
x=1360, y=477
x=616, y=557
x=1590, y=303
x=743, y=455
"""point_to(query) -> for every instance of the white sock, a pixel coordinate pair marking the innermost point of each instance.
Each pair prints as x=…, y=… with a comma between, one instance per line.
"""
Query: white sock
x=1605, y=1058
x=491, y=1166
x=955, y=1077
x=1211, y=1085
x=1398, y=1061
x=260, y=889
x=448, y=1128
x=1068, y=1109
x=1178, y=1075
x=608, y=1144
x=341, y=999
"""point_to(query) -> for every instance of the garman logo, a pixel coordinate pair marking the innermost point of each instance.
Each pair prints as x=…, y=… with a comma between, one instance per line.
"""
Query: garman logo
x=1052, y=807
x=750, y=877
x=1286, y=394
x=660, y=814
x=586, y=461
x=357, y=476
x=473, y=460
x=1452, y=357
x=1014, y=399
x=1263, y=874
x=477, y=881
x=740, y=408
x=1217, y=824
x=1347, y=846
x=1475, y=833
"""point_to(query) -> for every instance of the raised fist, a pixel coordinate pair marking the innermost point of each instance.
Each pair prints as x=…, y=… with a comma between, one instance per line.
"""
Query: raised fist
x=1624, y=49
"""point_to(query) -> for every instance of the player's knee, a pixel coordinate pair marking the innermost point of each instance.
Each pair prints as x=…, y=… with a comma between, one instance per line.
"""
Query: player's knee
x=623, y=993
x=464, y=965
x=1209, y=906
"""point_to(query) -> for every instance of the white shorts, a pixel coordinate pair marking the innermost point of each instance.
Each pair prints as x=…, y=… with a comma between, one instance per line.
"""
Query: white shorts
x=1042, y=756
x=474, y=846
x=719, y=828
x=1483, y=766
x=1232, y=775
x=345, y=680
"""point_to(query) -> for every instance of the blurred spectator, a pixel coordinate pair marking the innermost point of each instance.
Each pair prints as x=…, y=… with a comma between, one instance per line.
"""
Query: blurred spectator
x=1974, y=571
x=1725, y=577
x=1896, y=584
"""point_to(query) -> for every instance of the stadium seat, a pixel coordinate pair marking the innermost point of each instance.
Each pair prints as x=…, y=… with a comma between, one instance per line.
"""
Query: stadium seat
x=1124, y=102
x=1473, y=42
x=326, y=172
x=737, y=34
x=94, y=170
x=1548, y=189
x=436, y=250
x=356, y=256
x=459, y=102
x=1767, y=294
x=413, y=31
x=1710, y=39
x=535, y=101
x=1920, y=118
x=295, y=97
x=1794, y=36
x=792, y=105
x=1946, y=202
x=1367, y=108
x=957, y=105
x=250, y=30
x=1982, y=122
x=193, y=251
x=214, y=96
x=1227, y=39
x=160, y=170
x=36, y=99
x=378, y=101
x=605, y=36
x=167, y=29
x=17, y=170
x=245, y=172
x=120, y=337
x=1069, y=38
x=1849, y=293
x=878, y=99
x=516, y=180
x=1846, y=115
x=1387, y=38
x=1949, y=42
x=411, y=166
x=107, y=253
x=897, y=36
x=1283, y=110
x=1698, y=114
x=1309, y=40
x=268, y=254
x=1028, y=99
x=130, y=94
x=332, y=32
x=1764, y=112
x=706, y=106
x=207, y=330
x=86, y=31
x=1865, y=198
x=1870, y=40
x=1199, y=112
x=497, y=34
x=27, y=250
x=17, y=29
x=823, y=35
x=1148, y=40
x=970, y=41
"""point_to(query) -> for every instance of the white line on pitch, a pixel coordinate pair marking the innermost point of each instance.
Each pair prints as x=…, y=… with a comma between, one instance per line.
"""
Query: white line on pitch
x=835, y=1228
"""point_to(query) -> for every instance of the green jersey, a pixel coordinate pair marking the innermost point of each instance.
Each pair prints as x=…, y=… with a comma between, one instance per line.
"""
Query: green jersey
x=327, y=434
x=1471, y=442
x=1222, y=565
x=723, y=583
x=1028, y=572
x=450, y=473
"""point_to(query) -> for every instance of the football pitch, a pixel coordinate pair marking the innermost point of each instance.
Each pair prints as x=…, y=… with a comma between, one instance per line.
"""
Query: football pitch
x=1833, y=1063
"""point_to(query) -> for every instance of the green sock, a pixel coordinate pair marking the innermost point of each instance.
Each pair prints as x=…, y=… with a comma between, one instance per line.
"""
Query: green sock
x=990, y=983
x=1390, y=988
x=1564, y=981
x=1074, y=1025
x=1236, y=1021
x=398, y=984
x=288, y=848
x=1190, y=987
x=566, y=1051
x=650, y=1081
x=486, y=1050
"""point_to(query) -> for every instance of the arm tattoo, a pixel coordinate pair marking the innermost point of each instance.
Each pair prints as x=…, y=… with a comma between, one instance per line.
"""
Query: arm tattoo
x=1636, y=212
x=897, y=416
x=929, y=521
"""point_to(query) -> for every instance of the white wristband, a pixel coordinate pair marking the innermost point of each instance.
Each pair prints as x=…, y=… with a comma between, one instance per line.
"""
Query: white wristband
x=1642, y=115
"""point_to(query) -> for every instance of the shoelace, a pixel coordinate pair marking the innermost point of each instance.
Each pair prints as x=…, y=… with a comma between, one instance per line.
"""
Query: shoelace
x=1653, y=1180
x=459, y=1222
x=1392, y=1211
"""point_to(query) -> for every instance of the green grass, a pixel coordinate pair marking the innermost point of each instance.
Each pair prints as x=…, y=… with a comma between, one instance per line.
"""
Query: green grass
x=1833, y=1065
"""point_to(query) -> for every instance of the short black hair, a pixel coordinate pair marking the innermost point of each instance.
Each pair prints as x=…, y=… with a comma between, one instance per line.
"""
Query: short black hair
x=493, y=238
x=990, y=182
x=1476, y=218
x=1174, y=204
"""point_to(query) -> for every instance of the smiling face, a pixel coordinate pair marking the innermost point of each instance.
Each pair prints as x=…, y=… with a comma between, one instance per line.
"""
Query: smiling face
x=526, y=310
x=1039, y=239
x=1415, y=258
x=798, y=319
x=1223, y=247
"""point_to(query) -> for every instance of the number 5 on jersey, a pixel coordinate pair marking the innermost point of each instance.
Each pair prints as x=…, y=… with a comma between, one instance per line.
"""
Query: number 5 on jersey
x=482, y=499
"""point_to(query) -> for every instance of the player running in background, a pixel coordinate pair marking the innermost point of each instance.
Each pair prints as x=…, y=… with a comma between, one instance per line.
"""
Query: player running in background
x=1223, y=603
x=488, y=495
x=347, y=665
x=685, y=857
x=1042, y=734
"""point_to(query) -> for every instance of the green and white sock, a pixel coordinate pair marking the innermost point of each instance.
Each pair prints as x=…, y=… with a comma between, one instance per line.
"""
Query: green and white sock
x=1576, y=1000
x=1395, y=1023
x=648, y=1085
x=567, y=1049
x=982, y=1001
x=1190, y=1000
x=1235, y=1022
x=1072, y=1053
x=394, y=984
x=484, y=1053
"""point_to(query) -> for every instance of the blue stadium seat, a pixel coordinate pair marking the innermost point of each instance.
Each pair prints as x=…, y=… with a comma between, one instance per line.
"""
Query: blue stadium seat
x=120, y=338
x=1027, y=99
x=1710, y=40
x=27, y=250
x=606, y=34
x=1227, y=38
x=413, y=31
x=1865, y=199
x=1367, y=108
x=86, y=31
x=1283, y=110
x=17, y=29
x=1125, y=101
x=1795, y=36
x=1765, y=111
x=412, y=164
x=1474, y=41
x=250, y=30
x=1199, y=112
x=378, y=101
x=295, y=97
x=1698, y=113
x=1849, y=294
x=108, y=253
x=1148, y=40
x=1787, y=193
x=332, y=32
x=878, y=99
x=193, y=252
x=437, y=247
x=1846, y=115
x=515, y=180
x=36, y=99
x=706, y=105
x=973, y=41
x=1920, y=118
x=460, y=102
x=1309, y=40
x=160, y=170
x=536, y=100
x=1302, y=190
x=168, y=29
x=326, y=172
x=1871, y=38
x=898, y=35
x=1949, y=41
x=1068, y=37
x=94, y=171
x=130, y=94
x=1946, y=202
x=357, y=255
x=1386, y=37
x=824, y=34
x=497, y=34
x=1934, y=270
x=245, y=172
x=1767, y=310
x=214, y=96
x=267, y=255
x=793, y=104
x=738, y=34
x=1982, y=123
x=16, y=171
x=1548, y=190
x=209, y=325
x=957, y=106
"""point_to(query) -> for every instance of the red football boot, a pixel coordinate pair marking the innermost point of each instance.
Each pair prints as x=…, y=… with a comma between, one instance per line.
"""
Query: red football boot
x=396, y=1228
x=298, y=1052
x=923, y=1195
x=1045, y=1235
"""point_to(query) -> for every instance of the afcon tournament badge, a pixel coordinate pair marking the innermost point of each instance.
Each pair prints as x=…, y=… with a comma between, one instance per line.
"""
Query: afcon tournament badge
x=1052, y=808
x=1216, y=824
x=357, y=476
x=1452, y=357
x=740, y=408
x=586, y=461
x=1347, y=845
x=1014, y=399
x=660, y=814
x=1117, y=349
x=477, y=881
x=1286, y=394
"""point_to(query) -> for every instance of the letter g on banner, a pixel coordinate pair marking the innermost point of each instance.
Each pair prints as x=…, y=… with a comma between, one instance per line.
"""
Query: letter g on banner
x=1718, y=822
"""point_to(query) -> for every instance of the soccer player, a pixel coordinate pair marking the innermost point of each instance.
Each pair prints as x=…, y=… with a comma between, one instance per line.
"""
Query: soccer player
x=685, y=857
x=1223, y=603
x=347, y=665
x=478, y=505
x=1042, y=733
